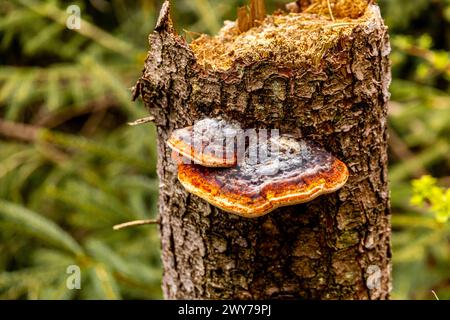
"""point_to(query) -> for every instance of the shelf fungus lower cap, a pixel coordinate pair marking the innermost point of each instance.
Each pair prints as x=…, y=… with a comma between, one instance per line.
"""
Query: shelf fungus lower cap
x=298, y=172
x=210, y=143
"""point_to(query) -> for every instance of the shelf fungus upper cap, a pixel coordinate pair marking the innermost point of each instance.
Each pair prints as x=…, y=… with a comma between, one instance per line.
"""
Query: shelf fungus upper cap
x=297, y=172
x=210, y=143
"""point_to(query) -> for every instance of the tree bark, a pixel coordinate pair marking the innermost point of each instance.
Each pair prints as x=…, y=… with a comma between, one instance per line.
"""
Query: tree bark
x=335, y=247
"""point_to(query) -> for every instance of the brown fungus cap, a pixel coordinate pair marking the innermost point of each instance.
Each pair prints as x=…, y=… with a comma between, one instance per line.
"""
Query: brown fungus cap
x=297, y=172
x=210, y=143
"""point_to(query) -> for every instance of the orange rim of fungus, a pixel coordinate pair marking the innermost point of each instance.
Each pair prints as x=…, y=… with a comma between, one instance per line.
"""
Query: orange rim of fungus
x=203, y=143
x=182, y=149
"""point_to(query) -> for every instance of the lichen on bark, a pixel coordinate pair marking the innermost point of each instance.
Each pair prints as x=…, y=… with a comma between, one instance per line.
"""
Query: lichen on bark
x=335, y=247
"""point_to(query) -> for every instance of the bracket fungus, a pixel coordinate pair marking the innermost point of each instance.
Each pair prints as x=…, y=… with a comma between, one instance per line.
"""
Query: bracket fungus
x=291, y=172
x=210, y=143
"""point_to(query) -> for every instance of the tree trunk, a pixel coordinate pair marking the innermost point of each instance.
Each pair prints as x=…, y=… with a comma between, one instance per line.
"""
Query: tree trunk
x=335, y=247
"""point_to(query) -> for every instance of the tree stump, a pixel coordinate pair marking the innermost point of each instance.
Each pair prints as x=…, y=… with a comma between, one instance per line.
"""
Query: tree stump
x=329, y=85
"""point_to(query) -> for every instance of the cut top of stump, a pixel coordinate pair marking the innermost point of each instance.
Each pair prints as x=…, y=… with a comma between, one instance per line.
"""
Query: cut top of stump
x=303, y=35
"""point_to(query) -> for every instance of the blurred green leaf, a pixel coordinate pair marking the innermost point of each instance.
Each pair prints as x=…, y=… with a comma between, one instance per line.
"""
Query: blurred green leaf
x=36, y=225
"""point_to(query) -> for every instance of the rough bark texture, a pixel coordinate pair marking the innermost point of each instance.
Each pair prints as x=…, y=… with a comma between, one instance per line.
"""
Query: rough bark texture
x=330, y=248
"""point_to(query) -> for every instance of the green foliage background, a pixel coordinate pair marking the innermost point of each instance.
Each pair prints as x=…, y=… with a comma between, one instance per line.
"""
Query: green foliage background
x=77, y=168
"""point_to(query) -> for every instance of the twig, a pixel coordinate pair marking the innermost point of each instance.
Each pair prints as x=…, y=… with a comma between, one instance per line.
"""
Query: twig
x=331, y=11
x=30, y=134
x=19, y=131
x=435, y=295
x=142, y=121
x=311, y=7
x=340, y=24
x=135, y=224
x=52, y=120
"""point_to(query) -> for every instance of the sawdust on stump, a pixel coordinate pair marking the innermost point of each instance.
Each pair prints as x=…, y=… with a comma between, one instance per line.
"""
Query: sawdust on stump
x=290, y=38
